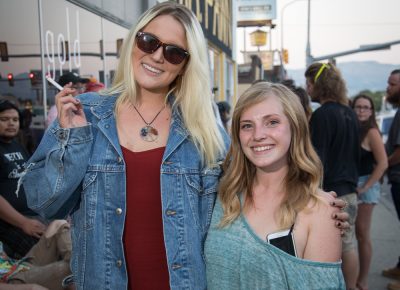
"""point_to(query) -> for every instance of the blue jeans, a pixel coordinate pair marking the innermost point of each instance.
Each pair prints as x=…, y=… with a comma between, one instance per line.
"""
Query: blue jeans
x=395, y=189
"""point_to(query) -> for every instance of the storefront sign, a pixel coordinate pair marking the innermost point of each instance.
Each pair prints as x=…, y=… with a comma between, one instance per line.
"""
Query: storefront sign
x=255, y=12
x=216, y=19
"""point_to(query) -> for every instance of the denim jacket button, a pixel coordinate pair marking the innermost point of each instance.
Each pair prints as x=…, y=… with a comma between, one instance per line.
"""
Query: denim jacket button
x=107, y=126
x=119, y=263
x=119, y=159
x=170, y=212
x=118, y=211
x=62, y=135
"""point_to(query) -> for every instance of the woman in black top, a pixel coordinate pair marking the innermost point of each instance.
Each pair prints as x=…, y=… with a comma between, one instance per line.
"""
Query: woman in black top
x=373, y=164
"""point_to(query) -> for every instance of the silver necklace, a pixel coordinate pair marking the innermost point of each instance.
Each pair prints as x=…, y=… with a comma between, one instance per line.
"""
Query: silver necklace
x=148, y=133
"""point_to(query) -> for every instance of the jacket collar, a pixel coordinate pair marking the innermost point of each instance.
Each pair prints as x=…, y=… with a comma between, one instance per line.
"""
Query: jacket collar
x=104, y=107
x=177, y=132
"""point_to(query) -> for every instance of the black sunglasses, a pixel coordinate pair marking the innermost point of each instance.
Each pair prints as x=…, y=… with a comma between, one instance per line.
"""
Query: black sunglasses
x=149, y=43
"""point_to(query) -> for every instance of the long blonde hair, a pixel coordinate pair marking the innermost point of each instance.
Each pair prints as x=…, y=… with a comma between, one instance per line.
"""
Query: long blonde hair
x=304, y=175
x=191, y=89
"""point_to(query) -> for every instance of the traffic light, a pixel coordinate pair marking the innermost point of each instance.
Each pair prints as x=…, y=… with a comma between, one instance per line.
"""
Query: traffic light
x=285, y=56
x=34, y=79
x=10, y=78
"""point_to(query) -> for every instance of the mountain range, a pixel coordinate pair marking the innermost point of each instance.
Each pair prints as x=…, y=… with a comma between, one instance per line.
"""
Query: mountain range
x=359, y=76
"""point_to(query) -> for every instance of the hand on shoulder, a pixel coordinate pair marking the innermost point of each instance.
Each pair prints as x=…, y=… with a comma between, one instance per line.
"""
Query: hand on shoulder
x=324, y=239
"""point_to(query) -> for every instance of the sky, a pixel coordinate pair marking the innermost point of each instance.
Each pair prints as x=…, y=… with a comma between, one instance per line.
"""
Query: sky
x=335, y=26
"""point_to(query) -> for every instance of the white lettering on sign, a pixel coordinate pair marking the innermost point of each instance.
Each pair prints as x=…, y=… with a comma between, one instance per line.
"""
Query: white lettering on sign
x=61, y=50
x=221, y=17
x=63, y=53
x=50, y=54
x=77, y=43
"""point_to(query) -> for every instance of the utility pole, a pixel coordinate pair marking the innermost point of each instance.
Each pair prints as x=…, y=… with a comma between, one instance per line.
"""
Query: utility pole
x=309, y=58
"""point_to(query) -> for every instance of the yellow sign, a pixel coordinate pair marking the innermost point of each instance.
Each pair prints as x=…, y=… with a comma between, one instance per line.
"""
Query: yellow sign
x=258, y=38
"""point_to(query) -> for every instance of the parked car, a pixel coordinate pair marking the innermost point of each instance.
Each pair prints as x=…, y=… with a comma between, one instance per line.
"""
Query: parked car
x=384, y=121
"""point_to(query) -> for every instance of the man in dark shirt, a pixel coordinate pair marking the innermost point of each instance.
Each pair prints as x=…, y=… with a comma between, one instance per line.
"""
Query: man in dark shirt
x=19, y=228
x=335, y=136
x=393, y=151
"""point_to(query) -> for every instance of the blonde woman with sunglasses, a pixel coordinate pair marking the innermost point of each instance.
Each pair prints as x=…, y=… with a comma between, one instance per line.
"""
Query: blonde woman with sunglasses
x=137, y=167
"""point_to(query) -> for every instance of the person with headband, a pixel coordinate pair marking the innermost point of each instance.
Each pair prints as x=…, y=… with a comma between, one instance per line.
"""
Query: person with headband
x=335, y=136
x=137, y=166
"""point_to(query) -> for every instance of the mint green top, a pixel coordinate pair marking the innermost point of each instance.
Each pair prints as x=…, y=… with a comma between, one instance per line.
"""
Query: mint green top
x=236, y=258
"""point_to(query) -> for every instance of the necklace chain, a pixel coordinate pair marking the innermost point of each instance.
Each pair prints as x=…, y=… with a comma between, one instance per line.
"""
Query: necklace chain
x=148, y=124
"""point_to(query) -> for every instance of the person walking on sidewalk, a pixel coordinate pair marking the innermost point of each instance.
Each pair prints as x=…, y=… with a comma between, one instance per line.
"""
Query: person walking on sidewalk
x=393, y=152
x=373, y=164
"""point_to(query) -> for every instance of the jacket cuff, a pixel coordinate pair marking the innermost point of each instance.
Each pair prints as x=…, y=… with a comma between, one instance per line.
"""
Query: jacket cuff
x=76, y=135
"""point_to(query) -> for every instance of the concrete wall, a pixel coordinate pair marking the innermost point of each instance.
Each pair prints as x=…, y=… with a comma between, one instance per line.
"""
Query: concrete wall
x=122, y=12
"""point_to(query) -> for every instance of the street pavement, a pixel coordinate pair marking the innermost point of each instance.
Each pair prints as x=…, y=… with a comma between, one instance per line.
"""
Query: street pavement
x=385, y=234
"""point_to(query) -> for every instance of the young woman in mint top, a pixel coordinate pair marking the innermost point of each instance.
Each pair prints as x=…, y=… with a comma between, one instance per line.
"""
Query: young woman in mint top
x=271, y=183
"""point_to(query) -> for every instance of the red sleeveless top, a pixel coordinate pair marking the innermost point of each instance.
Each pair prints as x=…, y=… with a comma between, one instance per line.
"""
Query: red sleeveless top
x=143, y=233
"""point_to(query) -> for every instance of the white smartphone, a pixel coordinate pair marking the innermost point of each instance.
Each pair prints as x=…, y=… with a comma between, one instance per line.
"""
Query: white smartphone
x=283, y=240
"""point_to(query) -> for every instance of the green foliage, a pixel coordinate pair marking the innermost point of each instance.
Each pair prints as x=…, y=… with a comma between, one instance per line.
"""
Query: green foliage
x=376, y=97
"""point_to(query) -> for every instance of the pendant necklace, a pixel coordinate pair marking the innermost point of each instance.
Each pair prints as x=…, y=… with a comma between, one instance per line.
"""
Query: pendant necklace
x=148, y=133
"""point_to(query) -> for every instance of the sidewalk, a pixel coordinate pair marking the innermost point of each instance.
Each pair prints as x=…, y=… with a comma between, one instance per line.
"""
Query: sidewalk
x=385, y=234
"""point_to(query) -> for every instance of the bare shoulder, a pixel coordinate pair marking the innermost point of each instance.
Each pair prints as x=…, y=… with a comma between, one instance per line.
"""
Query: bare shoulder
x=374, y=132
x=374, y=136
x=324, y=240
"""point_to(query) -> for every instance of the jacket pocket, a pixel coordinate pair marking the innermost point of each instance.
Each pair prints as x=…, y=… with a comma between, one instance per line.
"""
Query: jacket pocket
x=202, y=190
x=85, y=215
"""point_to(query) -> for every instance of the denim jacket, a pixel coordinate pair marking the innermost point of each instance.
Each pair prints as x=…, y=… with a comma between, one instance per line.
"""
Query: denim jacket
x=81, y=171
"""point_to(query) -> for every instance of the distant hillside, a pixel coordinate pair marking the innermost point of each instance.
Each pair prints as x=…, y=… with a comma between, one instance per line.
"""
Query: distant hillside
x=368, y=75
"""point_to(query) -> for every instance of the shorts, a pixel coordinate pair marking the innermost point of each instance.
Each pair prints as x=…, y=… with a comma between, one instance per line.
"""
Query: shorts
x=372, y=195
x=349, y=236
